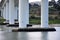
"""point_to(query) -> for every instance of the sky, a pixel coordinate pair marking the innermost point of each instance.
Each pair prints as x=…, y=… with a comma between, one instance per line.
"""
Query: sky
x=34, y=0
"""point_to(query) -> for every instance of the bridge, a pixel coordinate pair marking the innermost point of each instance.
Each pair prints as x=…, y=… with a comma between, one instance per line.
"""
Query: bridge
x=19, y=9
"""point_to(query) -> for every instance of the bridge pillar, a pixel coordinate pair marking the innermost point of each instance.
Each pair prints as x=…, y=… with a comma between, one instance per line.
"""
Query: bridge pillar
x=23, y=13
x=7, y=11
x=4, y=12
x=11, y=12
x=16, y=13
x=44, y=13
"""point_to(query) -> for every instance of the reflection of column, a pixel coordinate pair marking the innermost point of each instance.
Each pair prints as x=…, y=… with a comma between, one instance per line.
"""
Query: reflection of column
x=44, y=35
x=23, y=13
x=7, y=11
x=23, y=35
x=11, y=12
x=4, y=12
x=44, y=13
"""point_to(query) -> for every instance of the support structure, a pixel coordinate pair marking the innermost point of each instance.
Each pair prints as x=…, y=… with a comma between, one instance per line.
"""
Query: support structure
x=15, y=12
x=23, y=13
x=4, y=12
x=7, y=11
x=44, y=13
x=11, y=12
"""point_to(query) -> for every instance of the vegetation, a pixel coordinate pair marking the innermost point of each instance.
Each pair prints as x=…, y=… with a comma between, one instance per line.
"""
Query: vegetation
x=2, y=20
x=56, y=21
x=53, y=8
x=38, y=21
x=34, y=20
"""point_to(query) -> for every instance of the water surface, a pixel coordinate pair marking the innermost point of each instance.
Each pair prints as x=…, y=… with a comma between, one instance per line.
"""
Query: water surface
x=30, y=35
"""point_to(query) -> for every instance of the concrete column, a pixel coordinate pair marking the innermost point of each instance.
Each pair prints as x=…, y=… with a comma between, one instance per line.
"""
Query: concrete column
x=0, y=13
x=44, y=13
x=11, y=12
x=4, y=12
x=7, y=11
x=16, y=12
x=23, y=13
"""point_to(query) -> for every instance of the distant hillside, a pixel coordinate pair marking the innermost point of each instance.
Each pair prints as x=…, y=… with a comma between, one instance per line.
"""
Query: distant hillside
x=35, y=9
x=37, y=2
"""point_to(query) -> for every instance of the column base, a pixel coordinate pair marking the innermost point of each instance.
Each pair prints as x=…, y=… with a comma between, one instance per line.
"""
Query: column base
x=17, y=25
x=12, y=25
x=5, y=23
x=29, y=25
x=34, y=30
x=16, y=21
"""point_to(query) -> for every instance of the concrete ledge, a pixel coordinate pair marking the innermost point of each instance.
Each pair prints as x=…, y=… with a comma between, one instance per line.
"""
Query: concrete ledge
x=12, y=25
x=34, y=30
x=4, y=23
x=17, y=25
x=29, y=25
x=16, y=19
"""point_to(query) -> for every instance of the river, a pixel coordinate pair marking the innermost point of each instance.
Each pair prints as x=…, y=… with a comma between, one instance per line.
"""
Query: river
x=30, y=35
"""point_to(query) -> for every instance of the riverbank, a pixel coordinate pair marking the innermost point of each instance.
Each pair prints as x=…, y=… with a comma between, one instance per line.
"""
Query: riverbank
x=50, y=25
x=38, y=21
x=4, y=27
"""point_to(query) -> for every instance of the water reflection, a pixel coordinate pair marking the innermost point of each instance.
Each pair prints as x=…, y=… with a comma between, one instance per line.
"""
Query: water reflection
x=8, y=36
x=22, y=36
x=34, y=35
x=12, y=36
x=30, y=35
x=44, y=35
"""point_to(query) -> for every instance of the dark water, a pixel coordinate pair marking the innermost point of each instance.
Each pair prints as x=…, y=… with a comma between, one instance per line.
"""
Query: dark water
x=30, y=35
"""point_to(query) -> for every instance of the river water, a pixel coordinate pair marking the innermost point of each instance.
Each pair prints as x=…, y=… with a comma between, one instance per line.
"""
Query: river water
x=30, y=35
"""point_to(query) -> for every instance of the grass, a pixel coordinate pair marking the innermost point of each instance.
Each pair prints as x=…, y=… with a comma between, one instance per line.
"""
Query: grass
x=34, y=21
x=56, y=21
x=38, y=21
x=2, y=20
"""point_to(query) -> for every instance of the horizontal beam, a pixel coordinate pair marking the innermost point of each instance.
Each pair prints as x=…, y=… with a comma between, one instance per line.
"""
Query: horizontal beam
x=4, y=3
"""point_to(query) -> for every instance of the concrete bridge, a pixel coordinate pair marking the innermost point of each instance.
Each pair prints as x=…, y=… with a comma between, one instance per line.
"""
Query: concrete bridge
x=19, y=9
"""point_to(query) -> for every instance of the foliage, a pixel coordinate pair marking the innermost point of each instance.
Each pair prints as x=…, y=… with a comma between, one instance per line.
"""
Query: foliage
x=38, y=20
x=34, y=20
x=2, y=20
x=56, y=21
